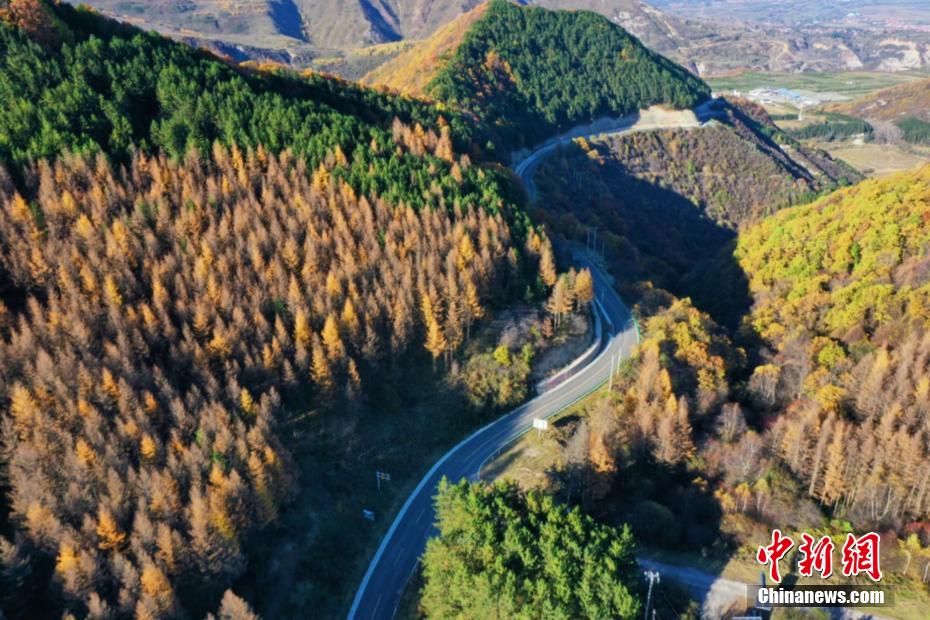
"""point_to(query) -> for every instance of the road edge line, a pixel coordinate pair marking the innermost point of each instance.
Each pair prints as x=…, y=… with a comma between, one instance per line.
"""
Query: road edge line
x=416, y=491
x=386, y=539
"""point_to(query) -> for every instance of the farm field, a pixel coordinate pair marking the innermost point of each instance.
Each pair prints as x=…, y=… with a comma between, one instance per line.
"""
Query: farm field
x=848, y=84
x=876, y=160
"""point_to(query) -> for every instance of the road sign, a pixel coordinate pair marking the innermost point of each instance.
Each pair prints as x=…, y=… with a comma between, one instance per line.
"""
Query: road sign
x=368, y=514
x=541, y=425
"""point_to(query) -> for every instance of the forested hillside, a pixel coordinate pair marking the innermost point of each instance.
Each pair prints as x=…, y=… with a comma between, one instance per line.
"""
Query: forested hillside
x=666, y=202
x=184, y=247
x=812, y=416
x=547, y=561
x=903, y=106
x=843, y=298
x=178, y=301
x=411, y=71
x=737, y=170
x=91, y=85
x=530, y=72
x=825, y=428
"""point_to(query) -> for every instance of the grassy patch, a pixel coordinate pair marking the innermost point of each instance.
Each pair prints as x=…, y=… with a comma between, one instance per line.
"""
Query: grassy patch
x=877, y=160
x=527, y=459
x=851, y=84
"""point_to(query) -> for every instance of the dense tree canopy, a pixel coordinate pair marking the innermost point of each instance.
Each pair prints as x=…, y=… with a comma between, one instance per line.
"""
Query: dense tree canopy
x=107, y=88
x=736, y=170
x=914, y=130
x=845, y=266
x=183, y=244
x=827, y=428
x=529, y=72
x=843, y=297
x=666, y=203
x=173, y=304
x=834, y=127
x=502, y=554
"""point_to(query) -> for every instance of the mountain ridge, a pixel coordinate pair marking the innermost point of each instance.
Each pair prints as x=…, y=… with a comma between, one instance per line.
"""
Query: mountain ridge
x=898, y=112
x=577, y=67
x=256, y=30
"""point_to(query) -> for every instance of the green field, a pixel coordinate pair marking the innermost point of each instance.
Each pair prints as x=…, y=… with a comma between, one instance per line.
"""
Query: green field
x=850, y=84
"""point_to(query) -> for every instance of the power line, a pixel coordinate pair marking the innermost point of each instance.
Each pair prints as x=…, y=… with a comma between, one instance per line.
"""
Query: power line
x=668, y=603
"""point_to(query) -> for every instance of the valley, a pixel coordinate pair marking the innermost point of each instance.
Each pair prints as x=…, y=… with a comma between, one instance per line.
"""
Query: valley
x=872, y=121
x=335, y=36
x=460, y=310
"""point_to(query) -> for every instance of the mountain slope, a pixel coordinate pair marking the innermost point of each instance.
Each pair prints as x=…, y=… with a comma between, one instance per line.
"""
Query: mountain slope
x=846, y=266
x=412, y=70
x=194, y=257
x=842, y=297
x=667, y=202
x=737, y=170
x=300, y=31
x=322, y=24
x=529, y=72
x=659, y=31
x=904, y=107
x=895, y=103
x=112, y=88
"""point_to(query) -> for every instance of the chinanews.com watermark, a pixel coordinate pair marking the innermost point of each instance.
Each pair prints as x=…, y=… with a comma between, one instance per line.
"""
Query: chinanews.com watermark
x=767, y=597
x=860, y=557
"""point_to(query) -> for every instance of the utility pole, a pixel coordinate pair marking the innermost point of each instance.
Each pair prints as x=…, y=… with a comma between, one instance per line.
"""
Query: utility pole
x=653, y=577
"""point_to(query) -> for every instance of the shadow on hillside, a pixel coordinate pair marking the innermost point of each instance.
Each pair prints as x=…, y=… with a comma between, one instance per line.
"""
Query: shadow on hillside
x=287, y=19
x=675, y=518
x=654, y=240
x=15, y=297
x=652, y=237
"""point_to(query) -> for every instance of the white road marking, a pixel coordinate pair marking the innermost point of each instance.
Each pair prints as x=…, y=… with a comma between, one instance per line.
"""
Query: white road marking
x=516, y=417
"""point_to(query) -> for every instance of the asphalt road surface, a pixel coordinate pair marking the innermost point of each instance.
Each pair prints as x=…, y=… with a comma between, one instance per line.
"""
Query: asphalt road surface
x=396, y=559
x=707, y=111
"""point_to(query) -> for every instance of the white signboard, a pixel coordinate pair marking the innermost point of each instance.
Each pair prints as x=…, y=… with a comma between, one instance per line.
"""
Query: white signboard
x=541, y=425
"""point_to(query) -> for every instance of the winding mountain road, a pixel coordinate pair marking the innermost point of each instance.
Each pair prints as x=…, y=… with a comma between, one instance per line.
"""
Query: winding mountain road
x=653, y=119
x=399, y=553
x=400, y=550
